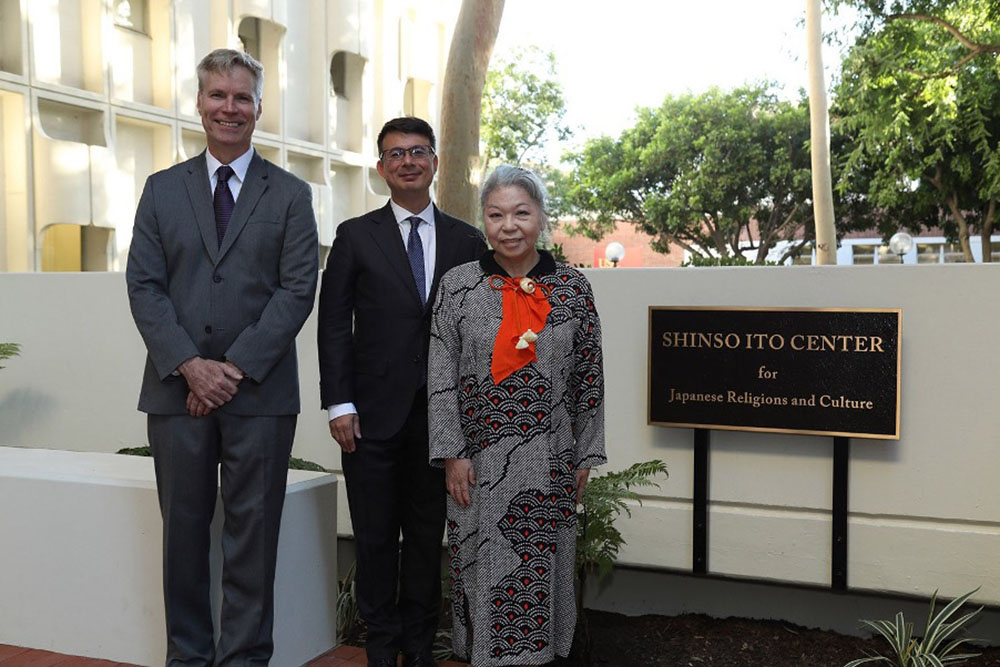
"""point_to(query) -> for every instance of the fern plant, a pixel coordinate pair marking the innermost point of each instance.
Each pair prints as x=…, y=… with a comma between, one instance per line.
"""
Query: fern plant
x=604, y=498
x=597, y=540
x=936, y=647
x=8, y=350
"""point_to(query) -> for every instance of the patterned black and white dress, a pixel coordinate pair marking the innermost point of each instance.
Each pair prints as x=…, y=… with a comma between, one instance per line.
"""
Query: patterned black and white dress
x=513, y=548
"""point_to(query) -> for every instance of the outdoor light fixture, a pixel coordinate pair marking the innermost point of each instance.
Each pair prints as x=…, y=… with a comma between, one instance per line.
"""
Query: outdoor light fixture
x=900, y=244
x=614, y=252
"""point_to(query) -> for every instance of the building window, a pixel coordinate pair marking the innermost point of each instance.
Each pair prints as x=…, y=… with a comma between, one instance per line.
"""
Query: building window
x=953, y=253
x=338, y=74
x=887, y=256
x=347, y=101
x=249, y=34
x=804, y=256
x=928, y=253
x=417, y=98
x=863, y=254
x=68, y=247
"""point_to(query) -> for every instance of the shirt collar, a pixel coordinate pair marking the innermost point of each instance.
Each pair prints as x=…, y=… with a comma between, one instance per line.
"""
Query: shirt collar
x=240, y=165
x=401, y=214
x=546, y=264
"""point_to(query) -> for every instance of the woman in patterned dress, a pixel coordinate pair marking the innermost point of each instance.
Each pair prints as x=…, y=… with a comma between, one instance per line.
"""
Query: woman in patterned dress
x=516, y=409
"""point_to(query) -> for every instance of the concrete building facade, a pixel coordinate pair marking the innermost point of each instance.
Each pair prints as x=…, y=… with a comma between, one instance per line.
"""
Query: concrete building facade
x=95, y=95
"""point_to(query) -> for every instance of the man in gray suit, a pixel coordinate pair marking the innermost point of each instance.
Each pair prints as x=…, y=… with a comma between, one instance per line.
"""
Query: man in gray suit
x=221, y=276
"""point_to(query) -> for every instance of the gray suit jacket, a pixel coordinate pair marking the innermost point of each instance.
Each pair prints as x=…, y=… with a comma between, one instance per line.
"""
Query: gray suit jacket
x=244, y=301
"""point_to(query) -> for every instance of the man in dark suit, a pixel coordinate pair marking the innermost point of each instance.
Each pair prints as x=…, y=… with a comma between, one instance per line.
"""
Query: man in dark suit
x=219, y=285
x=383, y=272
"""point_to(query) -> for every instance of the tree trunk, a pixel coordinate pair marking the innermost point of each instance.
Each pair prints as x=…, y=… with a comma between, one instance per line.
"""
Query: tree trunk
x=462, y=94
x=987, y=231
x=819, y=140
x=963, y=228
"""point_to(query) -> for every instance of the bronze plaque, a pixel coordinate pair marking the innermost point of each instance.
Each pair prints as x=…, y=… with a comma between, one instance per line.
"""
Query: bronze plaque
x=821, y=371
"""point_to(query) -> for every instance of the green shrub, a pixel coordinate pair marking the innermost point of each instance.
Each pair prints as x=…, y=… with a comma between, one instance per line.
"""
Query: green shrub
x=293, y=463
x=142, y=450
x=302, y=464
x=728, y=260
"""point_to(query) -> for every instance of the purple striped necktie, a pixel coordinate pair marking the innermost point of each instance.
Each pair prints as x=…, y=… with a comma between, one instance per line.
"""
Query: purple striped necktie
x=223, y=201
x=415, y=252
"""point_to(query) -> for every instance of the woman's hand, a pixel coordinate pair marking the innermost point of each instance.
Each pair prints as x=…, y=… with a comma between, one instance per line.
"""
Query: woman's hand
x=582, y=475
x=459, y=475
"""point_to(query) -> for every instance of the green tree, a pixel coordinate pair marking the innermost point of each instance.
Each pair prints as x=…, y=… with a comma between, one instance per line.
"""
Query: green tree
x=523, y=109
x=523, y=114
x=920, y=91
x=718, y=174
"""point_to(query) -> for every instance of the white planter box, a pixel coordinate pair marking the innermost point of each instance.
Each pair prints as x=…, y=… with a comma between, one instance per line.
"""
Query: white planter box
x=80, y=567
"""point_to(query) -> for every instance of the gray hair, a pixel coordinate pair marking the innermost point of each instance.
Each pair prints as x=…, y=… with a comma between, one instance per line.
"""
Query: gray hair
x=223, y=61
x=506, y=175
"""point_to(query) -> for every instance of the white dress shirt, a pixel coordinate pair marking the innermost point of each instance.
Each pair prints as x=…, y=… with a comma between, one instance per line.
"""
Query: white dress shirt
x=240, y=166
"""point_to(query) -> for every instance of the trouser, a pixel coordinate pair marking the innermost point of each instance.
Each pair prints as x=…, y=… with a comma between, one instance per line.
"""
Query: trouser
x=392, y=490
x=248, y=456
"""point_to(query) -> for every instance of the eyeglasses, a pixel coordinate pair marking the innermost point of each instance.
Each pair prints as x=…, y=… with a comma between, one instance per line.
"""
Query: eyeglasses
x=397, y=154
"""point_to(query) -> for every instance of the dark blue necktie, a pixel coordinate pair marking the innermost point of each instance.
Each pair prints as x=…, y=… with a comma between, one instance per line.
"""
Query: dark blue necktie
x=223, y=201
x=415, y=251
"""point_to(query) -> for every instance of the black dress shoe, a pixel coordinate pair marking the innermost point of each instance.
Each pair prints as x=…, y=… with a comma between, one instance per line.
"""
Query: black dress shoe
x=381, y=662
x=418, y=660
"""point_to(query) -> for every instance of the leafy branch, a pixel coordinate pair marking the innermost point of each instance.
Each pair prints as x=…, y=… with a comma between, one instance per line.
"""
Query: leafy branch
x=8, y=350
x=975, y=47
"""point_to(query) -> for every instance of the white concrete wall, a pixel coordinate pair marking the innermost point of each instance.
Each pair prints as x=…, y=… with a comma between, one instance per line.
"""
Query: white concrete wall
x=925, y=510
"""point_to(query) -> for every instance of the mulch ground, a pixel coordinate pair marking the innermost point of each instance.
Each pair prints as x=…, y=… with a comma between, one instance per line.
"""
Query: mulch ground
x=694, y=640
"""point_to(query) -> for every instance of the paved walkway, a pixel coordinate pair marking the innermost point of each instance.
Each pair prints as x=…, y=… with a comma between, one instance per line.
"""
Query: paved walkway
x=15, y=656
x=343, y=656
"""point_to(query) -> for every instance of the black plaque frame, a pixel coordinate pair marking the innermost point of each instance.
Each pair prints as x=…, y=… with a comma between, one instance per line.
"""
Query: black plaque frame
x=831, y=367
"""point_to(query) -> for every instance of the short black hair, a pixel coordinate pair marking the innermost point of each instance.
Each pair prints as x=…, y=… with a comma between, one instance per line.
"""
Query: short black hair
x=407, y=125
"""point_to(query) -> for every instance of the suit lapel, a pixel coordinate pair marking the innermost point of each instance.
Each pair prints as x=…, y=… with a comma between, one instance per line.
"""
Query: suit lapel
x=386, y=234
x=445, y=249
x=250, y=192
x=200, y=195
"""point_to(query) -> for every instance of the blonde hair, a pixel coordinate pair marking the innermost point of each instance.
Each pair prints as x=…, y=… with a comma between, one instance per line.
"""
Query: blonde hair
x=223, y=61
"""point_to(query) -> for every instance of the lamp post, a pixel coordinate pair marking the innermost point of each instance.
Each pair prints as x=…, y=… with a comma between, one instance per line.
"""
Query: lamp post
x=900, y=244
x=614, y=252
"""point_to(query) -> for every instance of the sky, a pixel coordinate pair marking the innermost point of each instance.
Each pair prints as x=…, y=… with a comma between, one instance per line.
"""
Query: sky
x=614, y=56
